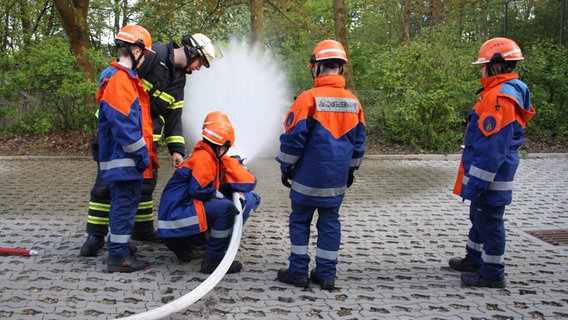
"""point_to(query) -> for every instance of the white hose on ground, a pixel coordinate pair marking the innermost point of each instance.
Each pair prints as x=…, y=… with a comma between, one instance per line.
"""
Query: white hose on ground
x=209, y=283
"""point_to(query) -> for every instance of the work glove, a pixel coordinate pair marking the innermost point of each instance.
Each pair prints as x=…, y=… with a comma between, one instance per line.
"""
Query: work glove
x=243, y=202
x=286, y=176
x=350, y=179
x=142, y=163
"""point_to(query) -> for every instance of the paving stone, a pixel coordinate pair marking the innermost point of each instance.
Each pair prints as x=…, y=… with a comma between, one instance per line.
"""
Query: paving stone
x=400, y=225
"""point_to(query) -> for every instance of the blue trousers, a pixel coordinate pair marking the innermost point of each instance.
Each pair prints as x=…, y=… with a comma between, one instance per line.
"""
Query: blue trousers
x=125, y=197
x=220, y=216
x=486, y=240
x=328, y=241
x=220, y=219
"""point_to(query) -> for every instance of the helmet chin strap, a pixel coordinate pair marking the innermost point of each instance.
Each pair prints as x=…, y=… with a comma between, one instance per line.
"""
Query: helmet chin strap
x=135, y=61
x=217, y=148
x=190, y=59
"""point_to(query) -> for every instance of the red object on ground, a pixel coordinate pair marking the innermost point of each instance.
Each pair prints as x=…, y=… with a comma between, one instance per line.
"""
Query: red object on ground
x=22, y=252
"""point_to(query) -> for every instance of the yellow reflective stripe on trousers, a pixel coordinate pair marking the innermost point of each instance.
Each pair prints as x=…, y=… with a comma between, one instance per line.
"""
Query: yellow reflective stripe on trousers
x=146, y=205
x=144, y=217
x=97, y=220
x=99, y=206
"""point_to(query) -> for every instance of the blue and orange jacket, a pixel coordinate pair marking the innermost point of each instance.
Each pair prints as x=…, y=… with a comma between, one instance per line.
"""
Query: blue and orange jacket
x=126, y=149
x=324, y=139
x=493, y=135
x=199, y=179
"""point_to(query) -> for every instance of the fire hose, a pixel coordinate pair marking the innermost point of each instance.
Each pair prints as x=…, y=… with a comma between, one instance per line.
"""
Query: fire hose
x=16, y=251
x=209, y=283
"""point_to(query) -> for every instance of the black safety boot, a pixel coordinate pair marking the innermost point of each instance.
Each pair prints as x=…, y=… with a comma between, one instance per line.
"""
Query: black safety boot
x=148, y=237
x=324, y=284
x=463, y=264
x=209, y=266
x=474, y=279
x=284, y=276
x=126, y=264
x=92, y=245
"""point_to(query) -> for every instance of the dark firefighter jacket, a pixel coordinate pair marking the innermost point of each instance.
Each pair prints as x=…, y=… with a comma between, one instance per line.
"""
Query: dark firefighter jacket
x=165, y=85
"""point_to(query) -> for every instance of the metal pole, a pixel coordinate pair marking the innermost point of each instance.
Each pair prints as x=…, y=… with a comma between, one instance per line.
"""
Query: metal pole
x=390, y=36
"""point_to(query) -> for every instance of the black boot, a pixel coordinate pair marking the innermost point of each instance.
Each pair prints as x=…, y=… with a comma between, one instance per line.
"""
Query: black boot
x=126, y=264
x=324, y=284
x=284, y=275
x=92, y=245
x=463, y=264
x=209, y=266
x=180, y=248
x=147, y=237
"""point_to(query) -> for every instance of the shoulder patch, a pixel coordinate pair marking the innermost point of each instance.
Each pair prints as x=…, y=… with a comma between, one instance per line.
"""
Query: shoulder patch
x=289, y=119
x=489, y=124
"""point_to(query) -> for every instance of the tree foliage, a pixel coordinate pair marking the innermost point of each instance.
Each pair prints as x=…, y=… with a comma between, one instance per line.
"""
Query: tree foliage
x=410, y=59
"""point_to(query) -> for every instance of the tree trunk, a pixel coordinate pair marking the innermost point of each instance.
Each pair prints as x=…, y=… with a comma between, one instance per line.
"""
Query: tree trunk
x=73, y=14
x=341, y=36
x=257, y=23
x=406, y=27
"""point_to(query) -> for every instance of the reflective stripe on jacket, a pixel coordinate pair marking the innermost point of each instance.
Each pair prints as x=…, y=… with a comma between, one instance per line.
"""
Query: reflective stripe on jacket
x=493, y=135
x=126, y=150
x=324, y=140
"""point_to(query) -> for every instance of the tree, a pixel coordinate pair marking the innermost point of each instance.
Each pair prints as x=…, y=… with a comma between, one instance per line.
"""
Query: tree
x=406, y=27
x=73, y=14
x=257, y=22
x=341, y=36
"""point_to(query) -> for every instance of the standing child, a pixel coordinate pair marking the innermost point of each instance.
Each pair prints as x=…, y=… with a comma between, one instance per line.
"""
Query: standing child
x=322, y=147
x=126, y=150
x=490, y=159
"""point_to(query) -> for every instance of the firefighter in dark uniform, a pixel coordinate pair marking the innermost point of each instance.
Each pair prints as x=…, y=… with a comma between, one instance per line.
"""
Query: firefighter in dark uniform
x=163, y=75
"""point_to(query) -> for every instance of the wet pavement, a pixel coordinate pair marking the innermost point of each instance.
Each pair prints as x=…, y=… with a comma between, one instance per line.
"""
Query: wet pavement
x=400, y=223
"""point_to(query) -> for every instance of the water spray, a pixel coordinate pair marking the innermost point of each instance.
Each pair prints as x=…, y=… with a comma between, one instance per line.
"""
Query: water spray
x=251, y=88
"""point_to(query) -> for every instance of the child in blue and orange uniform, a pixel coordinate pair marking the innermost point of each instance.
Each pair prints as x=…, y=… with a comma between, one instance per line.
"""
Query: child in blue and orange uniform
x=322, y=146
x=490, y=160
x=126, y=152
x=197, y=198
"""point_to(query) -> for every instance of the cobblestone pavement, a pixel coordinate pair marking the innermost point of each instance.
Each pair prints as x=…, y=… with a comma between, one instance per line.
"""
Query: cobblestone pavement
x=400, y=222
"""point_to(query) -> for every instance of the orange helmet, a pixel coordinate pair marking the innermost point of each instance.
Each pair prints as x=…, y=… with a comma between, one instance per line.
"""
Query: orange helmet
x=219, y=131
x=215, y=116
x=136, y=35
x=499, y=49
x=328, y=49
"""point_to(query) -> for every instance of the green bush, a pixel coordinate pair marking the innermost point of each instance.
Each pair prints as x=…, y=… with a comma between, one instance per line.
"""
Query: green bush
x=44, y=90
x=545, y=70
x=427, y=89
